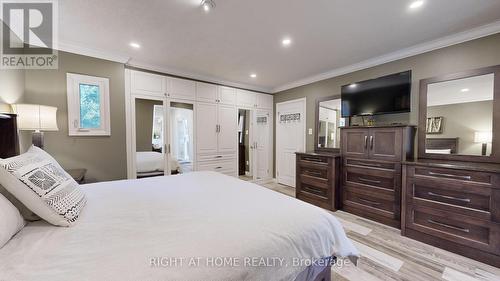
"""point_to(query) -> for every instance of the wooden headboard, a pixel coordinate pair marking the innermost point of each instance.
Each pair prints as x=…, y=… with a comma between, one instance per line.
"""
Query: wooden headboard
x=9, y=142
x=442, y=143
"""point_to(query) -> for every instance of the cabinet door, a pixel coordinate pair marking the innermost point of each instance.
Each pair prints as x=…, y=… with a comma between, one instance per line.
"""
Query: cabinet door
x=206, y=92
x=386, y=143
x=355, y=143
x=147, y=83
x=228, y=129
x=264, y=101
x=206, y=127
x=246, y=99
x=181, y=88
x=227, y=95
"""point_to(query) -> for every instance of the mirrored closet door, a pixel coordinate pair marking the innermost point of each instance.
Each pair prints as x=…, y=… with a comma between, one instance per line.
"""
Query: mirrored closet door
x=181, y=137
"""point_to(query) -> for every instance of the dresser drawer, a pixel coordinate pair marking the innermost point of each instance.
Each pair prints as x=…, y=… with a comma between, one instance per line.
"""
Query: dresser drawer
x=316, y=159
x=455, y=228
x=372, y=164
x=368, y=197
x=452, y=174
x=314, y=170
x=372, y=177
x=451, y=195
x=314, y=190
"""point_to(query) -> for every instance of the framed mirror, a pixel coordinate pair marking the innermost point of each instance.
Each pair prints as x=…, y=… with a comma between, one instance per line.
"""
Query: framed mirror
x=460, y=116
x=328, y=123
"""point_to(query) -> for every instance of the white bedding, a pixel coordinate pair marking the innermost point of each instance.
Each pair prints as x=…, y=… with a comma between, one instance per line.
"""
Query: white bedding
x=149, y=161
x=200, y=214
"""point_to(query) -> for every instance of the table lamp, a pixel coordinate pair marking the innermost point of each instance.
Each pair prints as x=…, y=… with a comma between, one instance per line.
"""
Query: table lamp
x=484, y=138
x=5, y=108
x=37, y=118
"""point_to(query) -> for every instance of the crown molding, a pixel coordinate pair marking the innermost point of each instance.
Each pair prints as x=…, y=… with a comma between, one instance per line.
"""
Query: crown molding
x=75, y=48
x=195, y=76
x=443, y=42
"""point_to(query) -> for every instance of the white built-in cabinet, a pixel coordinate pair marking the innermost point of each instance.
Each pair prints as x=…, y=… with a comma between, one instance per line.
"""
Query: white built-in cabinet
x=216, y=119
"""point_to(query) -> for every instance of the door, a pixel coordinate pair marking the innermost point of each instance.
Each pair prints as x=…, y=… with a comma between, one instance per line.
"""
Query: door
x=206, y=128
x=228, y=129
x=290, y=138
x=355, y=143
x=246, y=99
x=227, y=95
x=262, y=145
x=386, y=144
x=181, y=88
x=147, y=84
x=206, y=92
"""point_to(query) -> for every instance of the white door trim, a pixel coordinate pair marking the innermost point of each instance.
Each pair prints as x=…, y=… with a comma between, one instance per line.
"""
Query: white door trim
x=276, y=120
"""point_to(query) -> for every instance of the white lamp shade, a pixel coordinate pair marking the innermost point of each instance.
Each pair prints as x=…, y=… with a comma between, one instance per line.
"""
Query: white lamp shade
x=482, y=137
x=5, y=108
x=36, y=117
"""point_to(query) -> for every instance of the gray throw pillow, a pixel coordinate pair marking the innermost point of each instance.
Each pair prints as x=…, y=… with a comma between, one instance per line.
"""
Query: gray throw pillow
x=25, y=212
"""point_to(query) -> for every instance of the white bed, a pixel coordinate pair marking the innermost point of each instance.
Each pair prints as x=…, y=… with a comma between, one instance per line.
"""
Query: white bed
x=202, y=214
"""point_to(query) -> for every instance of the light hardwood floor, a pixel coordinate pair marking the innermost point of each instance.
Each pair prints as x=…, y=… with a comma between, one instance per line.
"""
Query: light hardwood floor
x=386, y=255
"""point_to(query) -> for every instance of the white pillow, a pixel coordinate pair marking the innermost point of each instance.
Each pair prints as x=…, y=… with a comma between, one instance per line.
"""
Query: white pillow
x=438, y=151
x=11, y=221
x=37, y=180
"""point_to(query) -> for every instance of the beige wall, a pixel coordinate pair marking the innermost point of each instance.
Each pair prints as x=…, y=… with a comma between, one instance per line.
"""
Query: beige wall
x=461, y=121
x=469, y=55
x=144, y=123
x=104, y=157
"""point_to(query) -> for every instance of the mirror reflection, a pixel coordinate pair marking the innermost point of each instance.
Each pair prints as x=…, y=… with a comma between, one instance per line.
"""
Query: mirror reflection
x=460, y=116
x=329, y=124
x=150, y=158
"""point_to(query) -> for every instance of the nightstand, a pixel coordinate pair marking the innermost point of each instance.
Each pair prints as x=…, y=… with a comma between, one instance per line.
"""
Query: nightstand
x=78, y=175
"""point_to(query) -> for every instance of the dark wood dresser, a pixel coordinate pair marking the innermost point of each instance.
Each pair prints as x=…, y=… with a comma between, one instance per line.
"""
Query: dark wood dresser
x=371, y=170
x=455, y=206
x=9, y=143
x=318, y=179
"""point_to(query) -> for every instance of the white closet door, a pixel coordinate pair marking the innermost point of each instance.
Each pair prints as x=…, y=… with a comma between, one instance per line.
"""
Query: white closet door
x=206, y=92
x=227, y=95
x=228, y=132
x=206, y=127
x=246, y=99
x=264, y=101
x=181, y=88
x=147, y=84
x=262, y=144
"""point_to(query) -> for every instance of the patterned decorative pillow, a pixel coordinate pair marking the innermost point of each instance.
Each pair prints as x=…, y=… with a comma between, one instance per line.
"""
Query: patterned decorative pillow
x=37, y=180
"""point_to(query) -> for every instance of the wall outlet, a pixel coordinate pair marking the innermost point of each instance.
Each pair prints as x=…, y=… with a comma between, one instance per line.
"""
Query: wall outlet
x=310, y=131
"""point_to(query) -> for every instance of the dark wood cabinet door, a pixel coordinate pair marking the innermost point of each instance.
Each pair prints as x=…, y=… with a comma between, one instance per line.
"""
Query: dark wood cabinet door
x=355, y=143
x=385, y=144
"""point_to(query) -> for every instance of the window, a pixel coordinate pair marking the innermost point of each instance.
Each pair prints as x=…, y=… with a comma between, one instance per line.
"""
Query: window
x=88, y=105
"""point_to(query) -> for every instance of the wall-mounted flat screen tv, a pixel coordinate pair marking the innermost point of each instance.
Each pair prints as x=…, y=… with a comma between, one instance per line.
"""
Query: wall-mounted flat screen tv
x=384, y=95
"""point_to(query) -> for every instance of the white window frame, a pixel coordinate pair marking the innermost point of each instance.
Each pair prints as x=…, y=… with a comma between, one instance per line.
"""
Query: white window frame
x=73, y=93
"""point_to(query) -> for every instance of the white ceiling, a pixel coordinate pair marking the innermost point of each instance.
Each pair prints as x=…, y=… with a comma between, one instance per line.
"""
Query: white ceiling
x=242, y=37
x=478, y=88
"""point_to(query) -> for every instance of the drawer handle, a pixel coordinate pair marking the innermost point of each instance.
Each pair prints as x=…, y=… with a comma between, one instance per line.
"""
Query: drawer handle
x=369, y=165
x=450, y=176
x=219, y=156
x=369, y=181
x=312, y=173
x=371, y=142
x=466, y=200
x=312, y=159
x=218, y=168
x=466, y=230
x=366, y=142
x=369, y=201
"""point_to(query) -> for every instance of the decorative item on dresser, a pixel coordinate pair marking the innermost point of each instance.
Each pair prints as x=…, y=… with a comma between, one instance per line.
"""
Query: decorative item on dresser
x=371, y=169
x=452, y=200
x=318, y=179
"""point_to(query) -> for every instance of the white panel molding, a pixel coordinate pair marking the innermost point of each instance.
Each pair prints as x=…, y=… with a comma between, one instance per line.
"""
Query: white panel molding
x=443, y=42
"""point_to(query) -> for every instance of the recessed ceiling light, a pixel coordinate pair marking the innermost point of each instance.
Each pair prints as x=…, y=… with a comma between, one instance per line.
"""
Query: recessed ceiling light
x=135, y=45
x=465, y=90
x=286, y=42
x=208, y=5
x=253, y=75
x=352, y=86
x=416, y=4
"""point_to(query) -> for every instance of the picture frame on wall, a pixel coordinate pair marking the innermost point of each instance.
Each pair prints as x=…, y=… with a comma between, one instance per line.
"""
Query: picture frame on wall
x=435, y=125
